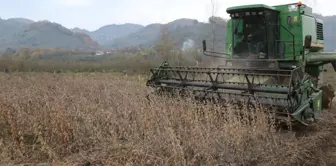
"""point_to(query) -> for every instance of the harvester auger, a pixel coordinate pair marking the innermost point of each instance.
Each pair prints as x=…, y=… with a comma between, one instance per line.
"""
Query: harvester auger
x=273, y=57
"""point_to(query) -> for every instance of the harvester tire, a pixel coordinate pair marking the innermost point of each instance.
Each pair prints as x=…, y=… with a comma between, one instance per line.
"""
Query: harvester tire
x=328, y=95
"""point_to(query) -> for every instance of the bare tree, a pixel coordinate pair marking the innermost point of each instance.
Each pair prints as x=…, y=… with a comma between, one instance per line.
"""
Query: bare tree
x=166, y=44
x=213, y=22
x=213, y=25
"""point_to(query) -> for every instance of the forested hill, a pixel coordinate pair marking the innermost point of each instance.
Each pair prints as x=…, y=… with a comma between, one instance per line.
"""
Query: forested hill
x=20, y=32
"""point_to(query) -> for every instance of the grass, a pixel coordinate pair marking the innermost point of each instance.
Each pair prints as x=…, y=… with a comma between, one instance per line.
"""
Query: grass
x=105, y=119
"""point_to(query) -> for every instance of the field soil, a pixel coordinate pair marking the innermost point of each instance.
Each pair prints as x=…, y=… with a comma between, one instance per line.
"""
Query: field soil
x=109, y=119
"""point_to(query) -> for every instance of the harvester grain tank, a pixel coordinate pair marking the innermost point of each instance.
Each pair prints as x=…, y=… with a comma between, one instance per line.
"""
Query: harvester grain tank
x=274, y=57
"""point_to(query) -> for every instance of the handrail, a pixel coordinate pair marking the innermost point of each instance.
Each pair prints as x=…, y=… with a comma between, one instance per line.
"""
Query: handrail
x=289, y=41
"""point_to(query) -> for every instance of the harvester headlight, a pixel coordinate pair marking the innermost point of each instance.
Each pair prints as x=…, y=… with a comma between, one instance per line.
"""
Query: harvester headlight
x=229, y=64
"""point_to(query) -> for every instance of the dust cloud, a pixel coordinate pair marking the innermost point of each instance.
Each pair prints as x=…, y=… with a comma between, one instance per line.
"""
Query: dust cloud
x=189, y=43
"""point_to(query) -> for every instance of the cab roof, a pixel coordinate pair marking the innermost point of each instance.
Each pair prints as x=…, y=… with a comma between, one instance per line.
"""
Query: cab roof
x=244, y=7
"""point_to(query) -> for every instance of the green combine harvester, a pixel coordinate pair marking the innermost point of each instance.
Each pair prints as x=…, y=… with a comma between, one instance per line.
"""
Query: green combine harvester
x=273, y=57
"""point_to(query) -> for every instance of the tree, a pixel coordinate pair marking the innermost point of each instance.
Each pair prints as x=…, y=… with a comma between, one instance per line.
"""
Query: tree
x=217, y=20
x=9, y=52
x=166, y=44
x=213, y=22
x=214, y=10
x=218, y=24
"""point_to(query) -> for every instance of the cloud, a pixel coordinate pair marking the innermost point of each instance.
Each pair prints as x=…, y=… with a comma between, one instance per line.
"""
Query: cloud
x=76, y=2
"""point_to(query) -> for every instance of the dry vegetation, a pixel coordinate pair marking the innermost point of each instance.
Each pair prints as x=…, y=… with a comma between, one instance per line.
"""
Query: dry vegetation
x=105, y=119
x=64, y=62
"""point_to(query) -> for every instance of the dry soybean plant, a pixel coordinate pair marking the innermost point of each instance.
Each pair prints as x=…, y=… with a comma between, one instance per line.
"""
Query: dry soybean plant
x=106, y=119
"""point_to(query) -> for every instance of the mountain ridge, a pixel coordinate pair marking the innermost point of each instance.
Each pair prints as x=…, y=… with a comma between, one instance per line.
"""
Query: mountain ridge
x=22, y=32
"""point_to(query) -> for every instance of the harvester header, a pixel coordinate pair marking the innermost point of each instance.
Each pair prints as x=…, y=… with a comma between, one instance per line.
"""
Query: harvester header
x=274, y=56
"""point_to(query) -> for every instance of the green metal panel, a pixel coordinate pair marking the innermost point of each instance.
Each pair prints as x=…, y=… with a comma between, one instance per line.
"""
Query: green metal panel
x=291, y=24
x=239, y=30
x=309, y=27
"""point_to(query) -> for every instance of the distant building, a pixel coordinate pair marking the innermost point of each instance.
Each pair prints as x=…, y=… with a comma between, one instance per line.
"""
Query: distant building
x=99, y=53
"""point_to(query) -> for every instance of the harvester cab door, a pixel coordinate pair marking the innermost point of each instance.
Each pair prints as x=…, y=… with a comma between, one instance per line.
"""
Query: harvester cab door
x=239, y=39
x=255, y=35
x=238, y=31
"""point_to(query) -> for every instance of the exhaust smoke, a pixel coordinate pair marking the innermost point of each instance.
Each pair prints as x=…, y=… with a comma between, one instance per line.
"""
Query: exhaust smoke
x=189, y=43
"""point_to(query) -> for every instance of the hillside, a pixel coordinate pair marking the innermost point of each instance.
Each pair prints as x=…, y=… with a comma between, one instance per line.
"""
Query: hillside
x=108, y=33
x=183, y=31
x=20, y=32
x=22, y=21
x=79, y=30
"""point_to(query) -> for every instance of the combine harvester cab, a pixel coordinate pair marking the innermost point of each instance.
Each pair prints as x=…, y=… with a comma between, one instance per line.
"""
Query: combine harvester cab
x=274, y=57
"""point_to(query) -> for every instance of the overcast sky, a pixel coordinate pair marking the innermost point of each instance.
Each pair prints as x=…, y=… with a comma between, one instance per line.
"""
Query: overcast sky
x=92, y=14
